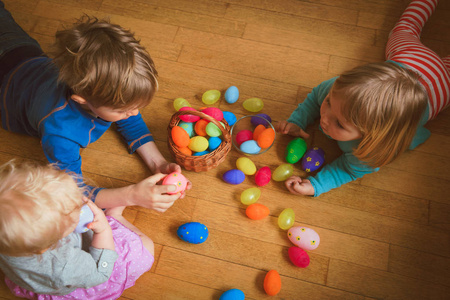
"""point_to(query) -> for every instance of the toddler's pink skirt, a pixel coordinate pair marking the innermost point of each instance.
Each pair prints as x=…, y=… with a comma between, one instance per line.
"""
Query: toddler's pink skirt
x=133, y=261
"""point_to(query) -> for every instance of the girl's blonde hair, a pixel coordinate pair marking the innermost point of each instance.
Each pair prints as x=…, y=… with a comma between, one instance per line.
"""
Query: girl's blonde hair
x=385, y=102
x=105, y=64
x=35, y=206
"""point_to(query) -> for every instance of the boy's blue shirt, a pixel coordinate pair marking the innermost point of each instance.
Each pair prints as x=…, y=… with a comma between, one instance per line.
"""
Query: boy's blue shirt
x=35, y=104
x=347, y=167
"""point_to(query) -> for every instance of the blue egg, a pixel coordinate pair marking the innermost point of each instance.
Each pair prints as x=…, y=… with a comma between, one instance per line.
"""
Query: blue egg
x=193, y=232
x=256, y=121
x=200, y=153
x=188, y=126
x=234, y=176
x=233, y=294
x=214, y=143
x=250, y=147
x=313, y=159
x=229, y=117
x=86, y=217
x=232, y=94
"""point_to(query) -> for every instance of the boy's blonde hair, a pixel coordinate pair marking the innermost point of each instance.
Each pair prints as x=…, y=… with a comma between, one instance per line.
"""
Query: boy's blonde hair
x=385, y=102
x=35, y=203
x=105, y=64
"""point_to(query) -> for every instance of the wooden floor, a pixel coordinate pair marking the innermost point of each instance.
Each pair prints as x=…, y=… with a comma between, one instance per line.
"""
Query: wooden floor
x=386, y=236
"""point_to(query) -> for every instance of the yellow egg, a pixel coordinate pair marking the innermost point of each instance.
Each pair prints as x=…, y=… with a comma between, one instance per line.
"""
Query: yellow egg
x=198, y=144
x=246, y=165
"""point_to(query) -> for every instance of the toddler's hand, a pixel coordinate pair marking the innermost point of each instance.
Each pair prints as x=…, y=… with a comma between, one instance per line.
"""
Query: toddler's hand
x=100, y=222
x=292, y=129
x=299, y=186
x=149, y=194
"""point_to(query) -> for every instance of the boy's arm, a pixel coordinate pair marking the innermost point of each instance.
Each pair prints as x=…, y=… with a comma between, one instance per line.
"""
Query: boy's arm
x=342, y=170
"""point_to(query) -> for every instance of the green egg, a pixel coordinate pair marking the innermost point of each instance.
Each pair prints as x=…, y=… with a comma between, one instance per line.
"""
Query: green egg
x=212, y=130
x=295, y=150
x=210, y=97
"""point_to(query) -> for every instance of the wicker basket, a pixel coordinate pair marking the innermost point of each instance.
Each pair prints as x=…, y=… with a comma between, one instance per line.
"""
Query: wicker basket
x=204, y=162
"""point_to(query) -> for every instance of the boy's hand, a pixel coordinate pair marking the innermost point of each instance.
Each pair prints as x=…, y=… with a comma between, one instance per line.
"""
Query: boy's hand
x=100, y=222
x=149, y=194
x=299, y=186
x=168, y=168
x=292, y=129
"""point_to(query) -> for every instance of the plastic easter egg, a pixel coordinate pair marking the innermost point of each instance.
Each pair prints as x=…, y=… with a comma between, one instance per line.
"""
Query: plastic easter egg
x=86, y=217
x=246, y=165
x=189, y=127
x=286, y=219
x=298, y=257
x=180, y=137
x=188, y=118
x=229, y=117
x=250, y=196
x=265, y=139
x=176, y=179
x=257, y=211
x=212, y=129
x=234, y=176
x=262, y=176
x=243, y=135
x=211, y=97
x=214, y=143
x=250, y=147
x=295, y=150
x=272, y=283
x=200, y=127
x=213, y=112
x=185, y=150
x=198, y=144
x=304, y=237
x=179, y=103
x=256, y=120
x=200, y=153
x=233, y=294
x=253, y=104
x=283, y=172
x=313, y=159
x=232, y=94
x=257, y=131
x=193, y=232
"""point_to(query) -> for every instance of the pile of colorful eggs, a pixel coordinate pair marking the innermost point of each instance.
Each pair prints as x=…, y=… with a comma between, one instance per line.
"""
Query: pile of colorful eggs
x=253, y=134
x=197, y=136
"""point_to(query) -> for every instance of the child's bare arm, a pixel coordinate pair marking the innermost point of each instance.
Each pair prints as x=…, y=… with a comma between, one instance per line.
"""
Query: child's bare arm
x=102, y=238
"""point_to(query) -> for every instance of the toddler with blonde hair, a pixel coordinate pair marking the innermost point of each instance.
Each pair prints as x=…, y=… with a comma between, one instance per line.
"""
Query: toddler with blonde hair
x=99, y=75
x=377, y=111
x=41, y=255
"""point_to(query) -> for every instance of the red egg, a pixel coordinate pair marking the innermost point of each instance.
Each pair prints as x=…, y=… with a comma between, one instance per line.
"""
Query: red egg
x=272, y=283
x=257, y=211
x=213, y=112
x=262, y=176
x=188, y=118
x=243, y=135
x=180, y=136
x=298, y=257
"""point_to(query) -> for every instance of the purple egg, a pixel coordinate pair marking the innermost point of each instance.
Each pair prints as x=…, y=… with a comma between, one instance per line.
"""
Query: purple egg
x=313, y=159
x=234, y=176
x=256, y=121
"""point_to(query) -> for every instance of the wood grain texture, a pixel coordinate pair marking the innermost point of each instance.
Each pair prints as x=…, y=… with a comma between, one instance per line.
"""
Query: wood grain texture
x=385, y=236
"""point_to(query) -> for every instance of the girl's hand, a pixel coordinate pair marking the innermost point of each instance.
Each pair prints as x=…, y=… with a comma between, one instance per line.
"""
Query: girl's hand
x=299, y=186
x=100, y=222
x=292, y=129
x=149, y=194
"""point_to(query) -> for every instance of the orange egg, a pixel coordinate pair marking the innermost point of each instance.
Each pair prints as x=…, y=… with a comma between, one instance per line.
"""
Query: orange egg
x=272, y=283
x=257, y=211
x=180, y=137
x=185, y=151
x=258, y=130
x=265, y=138
x=200, y=127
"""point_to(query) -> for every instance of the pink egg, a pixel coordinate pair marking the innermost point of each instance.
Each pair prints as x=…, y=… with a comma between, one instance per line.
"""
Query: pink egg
x=304, y=237
x=176, y=179
x=188, y=118
x=243, y=135
x=214, y=112
x=262, y=176
x=298, y=257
